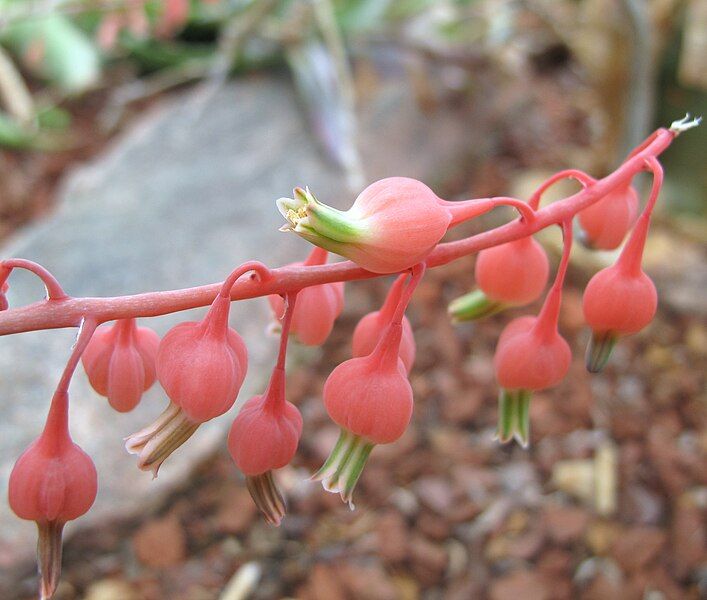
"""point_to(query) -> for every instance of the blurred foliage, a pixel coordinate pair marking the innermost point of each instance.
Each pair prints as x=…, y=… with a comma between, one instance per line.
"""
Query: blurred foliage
x=637, y=62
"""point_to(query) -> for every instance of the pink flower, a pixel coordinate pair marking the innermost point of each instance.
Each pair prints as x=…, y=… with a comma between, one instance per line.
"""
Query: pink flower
x=264, y=437
x=120, y=362
x=393, y=224
x=201, y=365
x=604, y=225
x=53, y=482
x=370, y=398
x=317, y=306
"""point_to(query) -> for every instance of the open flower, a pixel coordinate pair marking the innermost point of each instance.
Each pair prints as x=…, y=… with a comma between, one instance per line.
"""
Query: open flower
x=393, y=224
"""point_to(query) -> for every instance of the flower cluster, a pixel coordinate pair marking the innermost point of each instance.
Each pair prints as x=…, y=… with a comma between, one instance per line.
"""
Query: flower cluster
x=394, y=227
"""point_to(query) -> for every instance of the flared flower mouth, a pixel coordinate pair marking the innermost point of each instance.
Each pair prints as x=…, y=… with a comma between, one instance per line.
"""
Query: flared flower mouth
x=340, y=473
x=157, y=441
x=295, y=209
x=267, y=497
x=318, y=223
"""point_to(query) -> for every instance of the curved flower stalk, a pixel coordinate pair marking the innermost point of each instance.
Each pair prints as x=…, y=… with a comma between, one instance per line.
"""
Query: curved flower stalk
x=512, y=274
x=372, y=326
x=317, y=306
x=54, y=481
x=531, y=355
x=393, y=224
x=201, y=365
x=265, y=434
x=622, y=299
x=120, y=362
x=370, y=398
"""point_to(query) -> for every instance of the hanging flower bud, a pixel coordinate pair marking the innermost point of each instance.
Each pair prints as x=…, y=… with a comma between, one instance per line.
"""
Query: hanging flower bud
x=265, y=434
x=201, y=365
x=53, y=482
x=317, y=306
x=264, y=437
x=622, y=299
x=120, y=362
x=371, y=327
x=370, y=398
x=604, y=225
x=393, y=224
x=512, y=274
x=531, y=355
x=616, y=303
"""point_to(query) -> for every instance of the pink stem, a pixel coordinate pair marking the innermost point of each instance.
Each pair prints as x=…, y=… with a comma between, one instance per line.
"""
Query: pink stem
x=54, y=290
x=68, y=313
x=317, y=256
x=392, y=299
x=290, y=300
x=581, y=176
x=252, y=265
x=56, y=428
x=546, y=325
x=632, y=254
x=418, y=272
x=275, y=394
x=468, y=209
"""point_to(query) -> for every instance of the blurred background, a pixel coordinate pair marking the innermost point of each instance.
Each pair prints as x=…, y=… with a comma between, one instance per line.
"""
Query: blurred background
x=142, y=146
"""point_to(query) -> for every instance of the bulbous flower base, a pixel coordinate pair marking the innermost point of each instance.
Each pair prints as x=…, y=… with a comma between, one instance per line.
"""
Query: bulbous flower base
x=49, y=546
x=599, y=350
x=342, y=469
x=514, y=417
x=472, y=306
x=267, y=497
x=156, y=442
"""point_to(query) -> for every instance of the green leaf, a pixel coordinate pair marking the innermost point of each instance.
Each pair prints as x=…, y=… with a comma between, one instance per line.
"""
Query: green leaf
x=54, y=49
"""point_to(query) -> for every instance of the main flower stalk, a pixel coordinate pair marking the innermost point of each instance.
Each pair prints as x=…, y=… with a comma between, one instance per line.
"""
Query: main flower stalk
x=69, y=312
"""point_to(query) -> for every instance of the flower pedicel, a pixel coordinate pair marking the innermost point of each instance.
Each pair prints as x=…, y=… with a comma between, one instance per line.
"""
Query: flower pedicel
x=265, y=434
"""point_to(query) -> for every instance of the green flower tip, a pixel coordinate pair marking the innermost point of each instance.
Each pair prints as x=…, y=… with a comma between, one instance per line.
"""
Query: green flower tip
x=340, y=473
x=514, y=417
x=599, y=350
x=472, y=306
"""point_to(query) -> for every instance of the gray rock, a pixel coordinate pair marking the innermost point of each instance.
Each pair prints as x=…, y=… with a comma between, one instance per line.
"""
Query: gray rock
x=183, y=197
